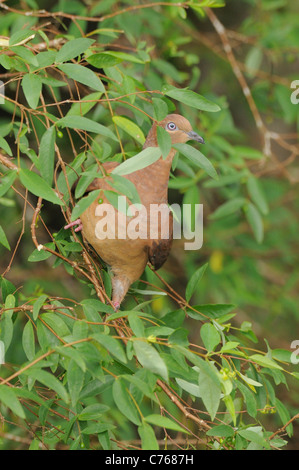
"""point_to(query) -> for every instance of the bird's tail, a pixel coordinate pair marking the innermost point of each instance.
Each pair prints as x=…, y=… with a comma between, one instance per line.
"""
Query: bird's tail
x=120, y=286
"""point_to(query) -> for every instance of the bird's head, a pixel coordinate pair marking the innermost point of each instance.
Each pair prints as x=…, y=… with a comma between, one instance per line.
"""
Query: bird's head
x=179, y=129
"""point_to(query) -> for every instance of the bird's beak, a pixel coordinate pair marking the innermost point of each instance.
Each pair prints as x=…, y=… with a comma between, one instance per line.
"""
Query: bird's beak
x=194, y=136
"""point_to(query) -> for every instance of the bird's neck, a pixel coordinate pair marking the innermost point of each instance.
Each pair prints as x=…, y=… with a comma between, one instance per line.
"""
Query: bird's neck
x=152, y=141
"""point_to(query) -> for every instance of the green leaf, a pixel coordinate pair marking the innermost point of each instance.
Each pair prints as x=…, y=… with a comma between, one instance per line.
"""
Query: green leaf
x=25, y=54
x=32, y=87
x=93, y=411
x=229, y=347
x=75, y=380
x=150, y=359
x=223, y=430
x=164, y=422
x=102, y=60
x=7, y=288
x=9, y=399
x=6, y=323
x=194, y=280
x=84, y=203
x=146, y=157
x=126, y=188
x=164, y=141
x=257, y=195
x=44, y=411
x=265, y=361
x=130, y=128
x=229, y=403
x=85, y=179
x=206, y=3
x=160, y=109
x=140, y=384
x=71, y=175
x=225, y=180
x=147, y=436
x=28, y=341
x=136, y=325
x=247, y=152
x=284, y=415
x=209, y=386
x=190, y=98
x=84, y=105
x=73, y=49
x=124, y=401
x=5, y=61
x=3, y=239
x=50, y=81
x=249, y=399
x=37, y=186
x=49, y=380
x=210, y=336
x=253, y=60
x=45, y=59
x=255, y=221
x=254, y=434
x=7, y=181
x=97, y=428
x=179, y=336
x=47, y=154
x=41, y=255
x=229, y=207
x=197, y=158
x=82, y=75
x=250, y=382
x=20, y=36
x=247, y=331
x=85, y=124
x=112, y=345
x=282, y=355
x=6, y=329
x=189, y=387
x=211, y=310
x=56, y=323
x=4, y=145
x=96, y=306
x=10, y=303
x=72, y=354
x=124, y=56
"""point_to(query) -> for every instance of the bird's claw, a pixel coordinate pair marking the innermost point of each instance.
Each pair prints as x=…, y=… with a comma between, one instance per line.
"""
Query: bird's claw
x=116, y=305
x=72, y=224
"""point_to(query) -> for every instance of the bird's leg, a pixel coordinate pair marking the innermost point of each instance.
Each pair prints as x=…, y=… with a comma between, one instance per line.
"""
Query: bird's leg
x=76, y=222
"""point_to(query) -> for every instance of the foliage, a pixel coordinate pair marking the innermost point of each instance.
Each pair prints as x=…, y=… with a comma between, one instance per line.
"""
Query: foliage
x=182, y=360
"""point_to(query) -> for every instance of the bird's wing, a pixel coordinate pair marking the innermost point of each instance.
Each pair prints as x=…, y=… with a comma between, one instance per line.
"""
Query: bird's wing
x=159, y=249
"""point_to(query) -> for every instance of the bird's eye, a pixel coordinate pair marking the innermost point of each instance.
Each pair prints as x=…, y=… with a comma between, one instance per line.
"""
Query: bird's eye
x=171, y=126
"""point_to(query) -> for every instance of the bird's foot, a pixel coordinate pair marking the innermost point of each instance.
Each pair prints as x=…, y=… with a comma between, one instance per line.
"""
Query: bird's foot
x=116, y=305
x=72, y=224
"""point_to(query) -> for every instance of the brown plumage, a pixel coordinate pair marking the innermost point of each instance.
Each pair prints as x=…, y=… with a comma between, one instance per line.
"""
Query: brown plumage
x=128, y=257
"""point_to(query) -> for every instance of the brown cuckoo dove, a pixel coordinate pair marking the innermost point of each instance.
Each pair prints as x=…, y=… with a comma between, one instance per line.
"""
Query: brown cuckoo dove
x=127, y=256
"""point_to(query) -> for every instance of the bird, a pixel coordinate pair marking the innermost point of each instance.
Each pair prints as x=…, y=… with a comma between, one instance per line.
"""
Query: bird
x=127, y=257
